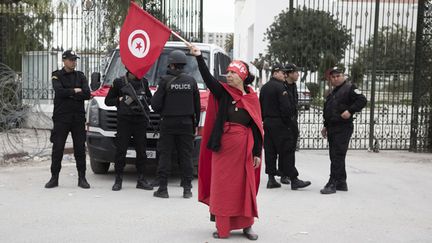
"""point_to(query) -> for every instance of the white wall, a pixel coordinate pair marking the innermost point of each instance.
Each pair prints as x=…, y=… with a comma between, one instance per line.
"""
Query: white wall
x=253, y=16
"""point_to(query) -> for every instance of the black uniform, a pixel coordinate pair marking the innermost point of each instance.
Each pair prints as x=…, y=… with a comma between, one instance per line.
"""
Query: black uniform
x=279, y=112
x=132, y=121
x=177, y=99
x=69, y=116
x=339, y=130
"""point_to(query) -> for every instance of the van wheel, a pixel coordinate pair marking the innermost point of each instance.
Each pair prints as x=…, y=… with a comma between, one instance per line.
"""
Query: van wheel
x=99, y=167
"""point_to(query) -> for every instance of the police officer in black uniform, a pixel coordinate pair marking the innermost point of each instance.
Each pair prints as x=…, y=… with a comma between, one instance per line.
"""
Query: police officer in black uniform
x=280, y=129
x=70, y=90
x=177, y=99
x=132, y=121
x=340, y=105
x=292, y=75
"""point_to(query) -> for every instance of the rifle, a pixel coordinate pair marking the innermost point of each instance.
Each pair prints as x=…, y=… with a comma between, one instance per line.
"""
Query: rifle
x=131, y=96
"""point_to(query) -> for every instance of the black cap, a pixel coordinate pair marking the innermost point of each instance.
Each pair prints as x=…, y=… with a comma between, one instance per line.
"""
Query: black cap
x=69, y=54
x=277, y=67
x=291, y=67
x=336, y=69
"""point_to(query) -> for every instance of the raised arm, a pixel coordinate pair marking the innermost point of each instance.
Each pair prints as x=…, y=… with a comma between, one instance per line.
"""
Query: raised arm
x=214, y=86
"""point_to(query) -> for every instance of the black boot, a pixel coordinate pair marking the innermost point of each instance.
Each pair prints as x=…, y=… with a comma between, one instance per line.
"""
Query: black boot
x=285, y=180
x=272, y=183
x=155, y=182
x=341, y=185
x=329, y=188
x=143, y=184
x=187, y=185
x=187, y=193
x=118, y=183
x=82, y=182
x=53, y=182
x=161, y=192
x=296, y=184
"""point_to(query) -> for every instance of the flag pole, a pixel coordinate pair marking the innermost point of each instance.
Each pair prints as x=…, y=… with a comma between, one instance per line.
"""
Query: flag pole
x=181, y=38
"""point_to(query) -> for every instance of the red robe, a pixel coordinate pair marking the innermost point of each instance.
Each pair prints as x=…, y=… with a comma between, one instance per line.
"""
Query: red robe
x=250, y=103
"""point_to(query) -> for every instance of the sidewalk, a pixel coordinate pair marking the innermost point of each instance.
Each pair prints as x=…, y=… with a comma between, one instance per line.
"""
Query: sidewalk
x=388, y=200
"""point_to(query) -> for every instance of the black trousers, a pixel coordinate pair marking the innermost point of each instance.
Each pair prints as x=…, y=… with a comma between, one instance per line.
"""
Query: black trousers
x=279, y=140
x=182, y=142
x=127, y=128
x=58, y=138
x=338, y=139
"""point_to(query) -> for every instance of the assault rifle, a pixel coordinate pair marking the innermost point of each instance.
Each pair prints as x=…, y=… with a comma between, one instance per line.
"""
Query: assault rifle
x=132, y=96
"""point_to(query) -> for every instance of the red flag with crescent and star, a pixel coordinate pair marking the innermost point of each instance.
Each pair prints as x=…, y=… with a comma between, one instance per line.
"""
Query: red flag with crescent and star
x=142, y=38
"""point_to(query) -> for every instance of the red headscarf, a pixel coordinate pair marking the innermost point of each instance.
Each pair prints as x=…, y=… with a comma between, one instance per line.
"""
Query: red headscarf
x=240, y=68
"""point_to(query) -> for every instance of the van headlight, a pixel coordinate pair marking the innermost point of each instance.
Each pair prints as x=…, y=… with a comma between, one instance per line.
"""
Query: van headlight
x=94, y=113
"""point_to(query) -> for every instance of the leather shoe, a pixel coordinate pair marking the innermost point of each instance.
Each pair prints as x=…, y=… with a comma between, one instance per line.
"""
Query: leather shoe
x=329, y=188
x=162, y=193
x=53, y=182
x=82, y=182
x=285, y=180
x=248, y=232
x=296, y=184
x=341, y=186
x=272, y=183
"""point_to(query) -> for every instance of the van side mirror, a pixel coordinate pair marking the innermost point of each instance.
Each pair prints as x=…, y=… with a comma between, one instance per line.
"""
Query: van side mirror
x=95, y=81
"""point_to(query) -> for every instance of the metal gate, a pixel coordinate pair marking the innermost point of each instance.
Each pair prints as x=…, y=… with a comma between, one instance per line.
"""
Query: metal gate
x=386, y=38
x=34, y=35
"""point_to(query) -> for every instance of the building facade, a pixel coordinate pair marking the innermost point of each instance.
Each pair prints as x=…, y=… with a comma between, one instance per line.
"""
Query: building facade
x=217, y=38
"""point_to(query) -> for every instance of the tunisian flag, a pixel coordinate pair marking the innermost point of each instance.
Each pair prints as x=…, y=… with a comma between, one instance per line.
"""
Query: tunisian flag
x=142, y=38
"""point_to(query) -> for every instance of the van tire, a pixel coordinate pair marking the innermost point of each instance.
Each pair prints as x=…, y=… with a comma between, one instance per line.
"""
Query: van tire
x=99, y=167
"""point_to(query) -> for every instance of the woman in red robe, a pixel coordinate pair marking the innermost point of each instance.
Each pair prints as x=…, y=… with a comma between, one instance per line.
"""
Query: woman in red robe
x=230, y=156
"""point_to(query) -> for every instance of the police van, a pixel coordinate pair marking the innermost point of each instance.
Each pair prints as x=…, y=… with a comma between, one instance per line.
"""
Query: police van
x=102, y=120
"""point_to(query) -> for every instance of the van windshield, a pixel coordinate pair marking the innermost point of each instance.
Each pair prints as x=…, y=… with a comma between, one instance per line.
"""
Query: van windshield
x=117, y=69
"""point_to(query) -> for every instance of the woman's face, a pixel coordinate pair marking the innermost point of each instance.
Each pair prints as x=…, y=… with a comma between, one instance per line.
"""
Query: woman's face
x=233, y=79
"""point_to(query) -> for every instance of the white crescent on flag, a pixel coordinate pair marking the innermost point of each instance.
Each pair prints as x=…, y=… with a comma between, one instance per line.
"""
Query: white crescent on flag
x=139, y=43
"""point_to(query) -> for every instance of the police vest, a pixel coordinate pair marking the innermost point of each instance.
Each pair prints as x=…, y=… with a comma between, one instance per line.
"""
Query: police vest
x=179, y=100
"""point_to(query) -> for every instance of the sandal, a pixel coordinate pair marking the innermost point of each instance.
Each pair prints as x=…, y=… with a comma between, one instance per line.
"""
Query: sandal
x=250, y=235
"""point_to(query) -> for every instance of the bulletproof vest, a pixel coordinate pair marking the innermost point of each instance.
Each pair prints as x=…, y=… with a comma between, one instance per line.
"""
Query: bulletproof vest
x=179, y=99
x=336, y=103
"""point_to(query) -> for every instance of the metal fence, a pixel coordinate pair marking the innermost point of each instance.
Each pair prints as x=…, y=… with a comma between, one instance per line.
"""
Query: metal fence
x=34, y=35
x=390, y=45
x=379, y=59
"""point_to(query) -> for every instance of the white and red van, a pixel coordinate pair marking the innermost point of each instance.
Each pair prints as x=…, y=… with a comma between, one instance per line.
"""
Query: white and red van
x=102, y=120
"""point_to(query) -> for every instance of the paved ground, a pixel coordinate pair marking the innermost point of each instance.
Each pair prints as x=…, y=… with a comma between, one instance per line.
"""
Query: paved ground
x=389, y=201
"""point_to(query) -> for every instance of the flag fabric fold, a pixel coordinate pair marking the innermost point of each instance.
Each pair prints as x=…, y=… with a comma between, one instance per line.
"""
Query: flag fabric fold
x=142, y=39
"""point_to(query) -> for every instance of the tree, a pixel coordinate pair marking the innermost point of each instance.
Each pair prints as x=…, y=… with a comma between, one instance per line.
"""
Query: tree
x=229, y=44
x=395, y=49
x=25, y=25
x=306, y=37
